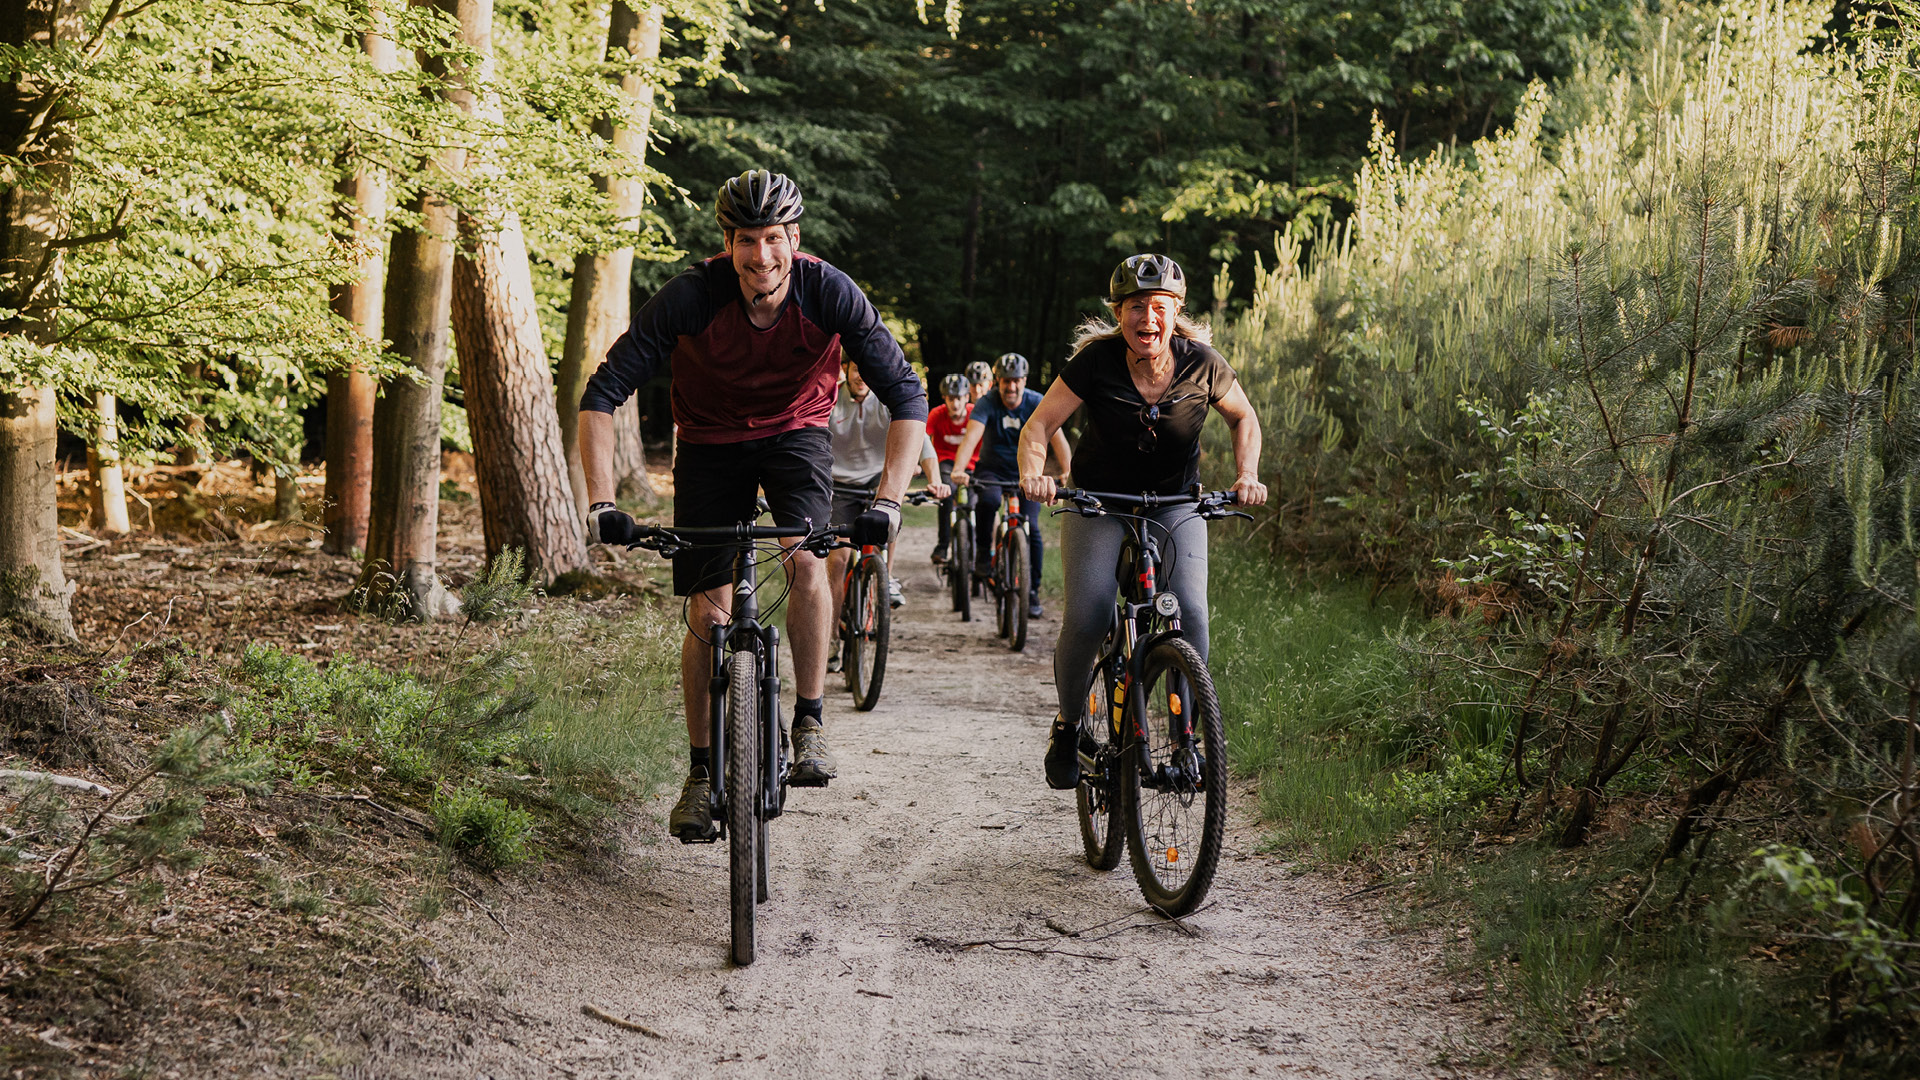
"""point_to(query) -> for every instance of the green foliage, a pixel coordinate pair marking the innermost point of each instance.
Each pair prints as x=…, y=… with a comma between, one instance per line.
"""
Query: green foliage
x=1626, y=392
x=982, y=176
x=481, y=827
x=1877, y=958
x=60, y=843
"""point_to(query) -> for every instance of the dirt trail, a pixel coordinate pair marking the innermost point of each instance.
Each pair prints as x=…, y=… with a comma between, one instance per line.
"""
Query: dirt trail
x=939, y=831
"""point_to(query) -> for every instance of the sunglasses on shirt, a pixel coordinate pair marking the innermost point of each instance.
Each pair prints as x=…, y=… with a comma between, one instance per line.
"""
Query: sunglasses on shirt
x=1149, y=416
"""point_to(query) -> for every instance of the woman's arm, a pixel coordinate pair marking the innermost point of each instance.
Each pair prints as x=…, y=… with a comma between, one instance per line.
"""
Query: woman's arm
x=1043, y=427
x=1245, y=427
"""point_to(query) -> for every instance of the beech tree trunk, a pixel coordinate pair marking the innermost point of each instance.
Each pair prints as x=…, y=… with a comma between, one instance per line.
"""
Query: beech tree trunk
x=600, y=307
x=36, y=134
x=526, y=500
x=108, y=491
x=399, y=577
x=350, y=394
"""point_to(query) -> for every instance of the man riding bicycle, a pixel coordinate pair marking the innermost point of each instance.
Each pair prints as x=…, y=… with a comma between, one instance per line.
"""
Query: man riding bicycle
x=994, y=428
x=860, y=425
x=1147, y=380
x=947, y=427
x=753, y=339
x=979, y=380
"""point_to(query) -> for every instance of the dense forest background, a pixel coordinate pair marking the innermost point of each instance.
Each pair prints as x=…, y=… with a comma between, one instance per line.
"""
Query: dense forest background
x=1583, y=335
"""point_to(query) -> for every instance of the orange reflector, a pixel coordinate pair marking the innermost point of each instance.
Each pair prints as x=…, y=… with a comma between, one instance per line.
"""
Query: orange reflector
x=1173, y=702
x=1173, y=854
x=1093, y=702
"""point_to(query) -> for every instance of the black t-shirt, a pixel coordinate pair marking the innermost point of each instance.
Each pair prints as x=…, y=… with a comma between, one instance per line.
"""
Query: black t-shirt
x=1110, y=455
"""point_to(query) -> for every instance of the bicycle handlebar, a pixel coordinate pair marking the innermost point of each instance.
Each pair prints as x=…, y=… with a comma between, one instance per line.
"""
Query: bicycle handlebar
x=1212, y=504
x=670, y=540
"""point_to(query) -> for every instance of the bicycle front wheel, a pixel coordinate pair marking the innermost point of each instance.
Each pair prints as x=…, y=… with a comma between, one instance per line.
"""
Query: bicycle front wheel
x=743, y=797
x=1099, y=793
x=1018, y=584
x=873, y=624
x=960, y=570
x=1174, y=778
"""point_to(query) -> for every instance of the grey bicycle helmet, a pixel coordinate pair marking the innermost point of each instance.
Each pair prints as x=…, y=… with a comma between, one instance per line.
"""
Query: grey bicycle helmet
x=1010, y=366
x=955, y=386
x=757, y=198
x=979, y=372
x=1147, y=273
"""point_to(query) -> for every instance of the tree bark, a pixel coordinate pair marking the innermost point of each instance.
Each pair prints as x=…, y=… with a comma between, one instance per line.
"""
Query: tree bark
x=601, y=304
x=350, y=394
x=398, y=578
x=36, y=134
x=107, y=492
x=526, y=500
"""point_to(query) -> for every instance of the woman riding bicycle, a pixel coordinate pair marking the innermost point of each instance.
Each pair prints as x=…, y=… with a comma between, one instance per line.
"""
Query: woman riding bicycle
x=1147, y=384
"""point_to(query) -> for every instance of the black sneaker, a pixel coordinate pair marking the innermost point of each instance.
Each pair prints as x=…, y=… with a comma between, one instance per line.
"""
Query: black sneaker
x=1063, y=756
x=833, y=658
x=813, y=763
x=692, y=819
x=940, y=555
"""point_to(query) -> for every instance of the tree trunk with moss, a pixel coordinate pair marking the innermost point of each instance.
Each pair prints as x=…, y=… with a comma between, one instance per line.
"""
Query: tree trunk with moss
x=36, y=137
x=399, y=578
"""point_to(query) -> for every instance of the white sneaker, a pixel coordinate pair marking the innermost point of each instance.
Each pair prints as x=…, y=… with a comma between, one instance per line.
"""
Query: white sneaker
x=893, y=592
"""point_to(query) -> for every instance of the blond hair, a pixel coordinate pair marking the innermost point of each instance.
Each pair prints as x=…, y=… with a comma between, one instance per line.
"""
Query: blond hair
x=1098, y=329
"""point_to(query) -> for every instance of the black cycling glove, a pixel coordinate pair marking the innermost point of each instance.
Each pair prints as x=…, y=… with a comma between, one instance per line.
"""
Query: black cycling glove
x=607, y=524
x=878, y=524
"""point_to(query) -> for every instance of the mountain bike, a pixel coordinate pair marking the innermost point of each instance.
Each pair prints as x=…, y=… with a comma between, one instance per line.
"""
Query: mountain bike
x=748, y=734
x=1153, y=747
x=1008, y=575
x=865, y=626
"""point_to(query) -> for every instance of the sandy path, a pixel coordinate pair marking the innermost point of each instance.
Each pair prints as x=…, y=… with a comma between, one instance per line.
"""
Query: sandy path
x=939, y=829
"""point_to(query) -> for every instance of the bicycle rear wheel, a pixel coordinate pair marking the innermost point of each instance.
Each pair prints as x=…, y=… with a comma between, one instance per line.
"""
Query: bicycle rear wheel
x=743, y=797
x=1176, y=798
x=1002, y=614
x=1098, y=797
x=1017, y=586
x=872, y=627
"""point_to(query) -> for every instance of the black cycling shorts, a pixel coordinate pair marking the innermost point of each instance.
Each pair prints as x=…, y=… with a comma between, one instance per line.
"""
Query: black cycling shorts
x=852, y=500
x=717, y=483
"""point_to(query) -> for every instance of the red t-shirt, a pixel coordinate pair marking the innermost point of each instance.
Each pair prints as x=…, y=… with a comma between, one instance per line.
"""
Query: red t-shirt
x=946, y=434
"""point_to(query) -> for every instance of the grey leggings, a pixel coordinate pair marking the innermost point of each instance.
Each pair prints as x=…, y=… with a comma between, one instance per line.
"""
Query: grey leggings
x=1089, y=558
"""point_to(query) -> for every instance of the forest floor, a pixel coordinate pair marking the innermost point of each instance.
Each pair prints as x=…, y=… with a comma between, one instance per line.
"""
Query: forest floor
x=931, y=914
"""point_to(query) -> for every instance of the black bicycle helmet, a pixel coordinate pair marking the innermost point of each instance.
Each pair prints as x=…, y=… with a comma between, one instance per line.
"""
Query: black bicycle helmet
x=757, y=198
x=955, y=386
x=979, y=372
x=1010, y=366
x=1147, y=273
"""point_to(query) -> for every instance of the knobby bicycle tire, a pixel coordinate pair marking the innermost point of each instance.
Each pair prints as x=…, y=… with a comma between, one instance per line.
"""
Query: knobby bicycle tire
x=1017, y=587
x=1098, y=797
x=960, y=570
x=1175, y=851
x=1002, y=571
x=849, y=633
x=743, y=797
x=871, y=631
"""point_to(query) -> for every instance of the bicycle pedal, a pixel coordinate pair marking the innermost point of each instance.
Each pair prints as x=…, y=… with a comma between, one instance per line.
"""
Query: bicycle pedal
x=808, y=781
x=691, y=840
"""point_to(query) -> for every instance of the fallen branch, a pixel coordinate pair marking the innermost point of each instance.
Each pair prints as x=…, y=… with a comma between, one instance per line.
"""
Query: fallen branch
x=56, y=780
x=606, y=1017
x=423, y=826
x=475, y=901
